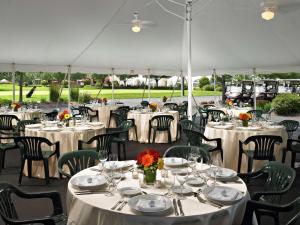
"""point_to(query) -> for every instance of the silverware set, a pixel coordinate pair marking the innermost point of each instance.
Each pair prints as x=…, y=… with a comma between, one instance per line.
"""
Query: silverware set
x=119, y=205
x=177, y=205
x=204, y=201
x=89, y=192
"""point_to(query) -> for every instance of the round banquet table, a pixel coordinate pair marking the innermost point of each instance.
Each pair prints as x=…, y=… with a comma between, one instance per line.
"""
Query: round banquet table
x=142, y=119
x=68, y=142
x=96, y=208
x=104, y=112
x=25, y=115
x=230, y=143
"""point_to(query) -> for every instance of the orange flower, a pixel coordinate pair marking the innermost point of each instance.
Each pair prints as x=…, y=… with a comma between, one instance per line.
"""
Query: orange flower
x=244, y=116
x=147, y=160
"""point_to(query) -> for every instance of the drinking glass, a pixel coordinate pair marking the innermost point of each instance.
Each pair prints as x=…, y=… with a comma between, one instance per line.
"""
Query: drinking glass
x=102, y=156
x=169, y=181
x=214, y=168
x=181, y=178
x=192, y=162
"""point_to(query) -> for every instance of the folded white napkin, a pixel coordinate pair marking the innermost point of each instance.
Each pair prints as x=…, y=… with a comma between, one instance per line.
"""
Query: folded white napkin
x=223, y=194
x=147, y=205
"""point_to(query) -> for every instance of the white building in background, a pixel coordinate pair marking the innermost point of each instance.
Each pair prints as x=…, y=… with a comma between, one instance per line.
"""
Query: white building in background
x=163, y=82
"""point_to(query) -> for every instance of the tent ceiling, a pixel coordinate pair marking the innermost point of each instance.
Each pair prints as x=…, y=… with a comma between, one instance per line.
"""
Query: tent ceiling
x=229, y=35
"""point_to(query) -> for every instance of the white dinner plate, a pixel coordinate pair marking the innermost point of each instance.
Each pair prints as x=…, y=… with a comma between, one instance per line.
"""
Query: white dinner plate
x=51, y=129
x=274, y=127
x=129, y=191
x=182, y=191
x=224, y=126
x=119, y=164
x=223, y=174
x=224, y=195
x=194, y=181
x=96, y=123
x=150, y=204
x=88, y=181
x=175, y=162
x=249, y=128
x=38, y=125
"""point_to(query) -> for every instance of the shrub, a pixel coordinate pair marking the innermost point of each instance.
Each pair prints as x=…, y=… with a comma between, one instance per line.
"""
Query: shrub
x=44, y=82
x=219, y=88
x=286, y=104
x=43, y=100
x=54, y=92
x=203, y=82
x=264, y=106
x=85, y=98
x=74, y=93
x=208, y=87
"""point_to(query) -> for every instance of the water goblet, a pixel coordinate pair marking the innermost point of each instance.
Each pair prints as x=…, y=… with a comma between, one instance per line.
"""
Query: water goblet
x=169, y=181
x=102, y=156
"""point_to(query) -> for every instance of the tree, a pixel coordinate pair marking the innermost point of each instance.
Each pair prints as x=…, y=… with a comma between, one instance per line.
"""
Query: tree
x=203, y=81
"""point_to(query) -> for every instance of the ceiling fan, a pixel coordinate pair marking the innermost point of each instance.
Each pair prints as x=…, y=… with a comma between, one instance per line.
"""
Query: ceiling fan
x=137, y=24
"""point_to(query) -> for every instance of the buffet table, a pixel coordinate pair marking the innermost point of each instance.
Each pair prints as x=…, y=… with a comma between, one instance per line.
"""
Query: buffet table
x=96, y=209
x=68, y=141
x=231, y=135
x=142, y=123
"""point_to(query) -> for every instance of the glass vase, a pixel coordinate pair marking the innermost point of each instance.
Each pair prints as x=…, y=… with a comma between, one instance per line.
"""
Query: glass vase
x=245, y=123
x=150, y=176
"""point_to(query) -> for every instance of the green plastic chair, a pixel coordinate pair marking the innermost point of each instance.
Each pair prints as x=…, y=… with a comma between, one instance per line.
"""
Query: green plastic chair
x=20, y=128
x=76, y=161
x=215, y=115
x=294, y=147
x=9, y=212
x=290, y=126
x=183, y=151
x=278, y=181
x=6, y=143
x=195, y=138
x=160, y=123
x=263, y=149
x=256, y=113
x=103, y=143
x=121, y=136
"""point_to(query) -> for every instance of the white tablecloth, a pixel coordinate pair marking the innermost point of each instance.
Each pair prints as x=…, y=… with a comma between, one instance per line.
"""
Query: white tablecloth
x=142, y=123
x=25, y=115
x=68, y=142
x=230, y=144
x=104, y=112
x=95, y=209
x=235, y=112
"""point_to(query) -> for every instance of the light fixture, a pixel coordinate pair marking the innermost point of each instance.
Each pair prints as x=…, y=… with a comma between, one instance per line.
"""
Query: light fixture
x=268, y=14
x=136, y=27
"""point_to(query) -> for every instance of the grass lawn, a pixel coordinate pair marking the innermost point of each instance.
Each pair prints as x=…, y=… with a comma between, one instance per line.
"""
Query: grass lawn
x=42, y=93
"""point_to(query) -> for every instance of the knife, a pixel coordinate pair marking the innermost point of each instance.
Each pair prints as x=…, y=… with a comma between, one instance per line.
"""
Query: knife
x=180, y=207
x=175, y=207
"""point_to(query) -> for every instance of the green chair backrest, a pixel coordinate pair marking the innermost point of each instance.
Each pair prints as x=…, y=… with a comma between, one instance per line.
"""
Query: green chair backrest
x=76, y=161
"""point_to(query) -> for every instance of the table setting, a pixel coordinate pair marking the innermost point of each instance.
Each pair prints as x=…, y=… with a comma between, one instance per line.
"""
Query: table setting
x=186, y=193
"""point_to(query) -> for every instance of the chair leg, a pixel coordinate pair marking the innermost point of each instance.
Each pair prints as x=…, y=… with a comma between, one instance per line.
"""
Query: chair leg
x=154, y=136
x=250, y=162
x=169, y=137
x=3, y=159
x=46, y=168
x=21, y=172
x=239, y=162
x=149, y=135
x=293, y=159
x=135, y=130
x=124, y=151
x=29, y=168
x=119, y=151
x=283, y=155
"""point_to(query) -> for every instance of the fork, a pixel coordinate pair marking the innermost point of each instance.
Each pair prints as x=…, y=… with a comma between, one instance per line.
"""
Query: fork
x=116, y=205
x=122, y=205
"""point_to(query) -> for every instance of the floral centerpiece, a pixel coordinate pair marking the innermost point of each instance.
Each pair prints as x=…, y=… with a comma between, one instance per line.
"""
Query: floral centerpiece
x=104, y=100
x=229, y=103
x=15, y=106
x=153, y=106
x=149, y=161
x=65, y=116
x=245, y=117
x=164, y=99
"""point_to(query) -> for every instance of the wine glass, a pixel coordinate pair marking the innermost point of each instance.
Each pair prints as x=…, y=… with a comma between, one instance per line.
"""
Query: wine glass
x=102, y=156
x=181, y=178
x=192, y=162
x=169, y=181
x=214, y=168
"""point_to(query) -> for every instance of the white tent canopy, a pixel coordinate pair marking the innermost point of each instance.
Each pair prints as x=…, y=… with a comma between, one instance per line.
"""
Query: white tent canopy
x=229, y=35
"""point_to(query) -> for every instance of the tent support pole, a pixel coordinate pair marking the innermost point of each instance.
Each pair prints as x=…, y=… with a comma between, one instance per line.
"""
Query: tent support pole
x=113, y=85
x=149, y=96
x=215, y=74
x=254, y=88
x=182, y=84
x=13, y=74
x=69, y=88
x=189, y=55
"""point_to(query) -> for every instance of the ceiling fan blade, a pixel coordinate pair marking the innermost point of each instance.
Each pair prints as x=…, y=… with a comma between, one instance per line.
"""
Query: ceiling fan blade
x=122, y=24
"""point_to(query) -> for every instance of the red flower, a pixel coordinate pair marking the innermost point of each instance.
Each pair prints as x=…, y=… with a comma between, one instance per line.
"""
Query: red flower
x=148, y=157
